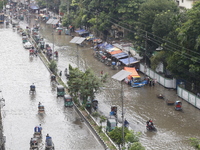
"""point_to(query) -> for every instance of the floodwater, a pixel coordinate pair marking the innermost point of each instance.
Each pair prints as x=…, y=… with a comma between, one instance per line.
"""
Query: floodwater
x=141, y=104
x=20, y=113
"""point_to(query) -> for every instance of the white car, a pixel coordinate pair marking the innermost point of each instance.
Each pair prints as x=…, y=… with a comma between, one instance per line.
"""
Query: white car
x=27, y=45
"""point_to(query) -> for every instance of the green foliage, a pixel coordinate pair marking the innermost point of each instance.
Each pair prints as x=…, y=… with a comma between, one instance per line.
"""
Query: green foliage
x=151, y=8
x=53, y=66
x=95, y=114
x=1, y=5
x=162, y=24
x=195, y=143
x=132, y=136
x=102, y=119
x=85, y=84
x=129, y=136
x=185, y=58
x=157, y=58
x=136, y=146
x=41, y=3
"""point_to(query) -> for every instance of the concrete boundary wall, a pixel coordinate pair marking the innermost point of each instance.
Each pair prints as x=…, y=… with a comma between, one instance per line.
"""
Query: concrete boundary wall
x=171, y=83
x=189, y=97
x=166, y=82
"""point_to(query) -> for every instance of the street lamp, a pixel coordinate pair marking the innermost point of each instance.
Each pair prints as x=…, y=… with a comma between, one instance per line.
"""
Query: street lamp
x=120, y=76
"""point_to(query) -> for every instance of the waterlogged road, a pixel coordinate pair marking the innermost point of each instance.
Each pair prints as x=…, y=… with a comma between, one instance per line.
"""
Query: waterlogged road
x=20, y=116
x=141, y=104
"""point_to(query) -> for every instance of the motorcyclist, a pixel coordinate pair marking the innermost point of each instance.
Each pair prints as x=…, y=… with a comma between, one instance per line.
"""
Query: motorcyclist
x=149, y=123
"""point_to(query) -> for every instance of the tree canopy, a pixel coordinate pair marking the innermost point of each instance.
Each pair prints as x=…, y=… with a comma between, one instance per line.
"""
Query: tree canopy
x=83, y=84
x=130, y=137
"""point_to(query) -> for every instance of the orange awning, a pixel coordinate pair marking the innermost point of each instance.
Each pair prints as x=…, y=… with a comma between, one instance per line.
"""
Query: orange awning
x=115, y=52
x=133, y=71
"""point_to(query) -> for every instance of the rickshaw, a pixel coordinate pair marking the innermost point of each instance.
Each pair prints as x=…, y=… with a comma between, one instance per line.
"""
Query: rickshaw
x=7, y=22
x=66, y=74
x=113, y=65
x=68, y=101
x=31, y=52
x=32, y=89
x=88, y=104
x=40, y=108
x=37, y=132
x=56, y=54
x=53, y=78
x=111, y=124
x=42, y=43
x=95, y=104
x=60, y=91
x=178, y=105
x=49, y=145
x=34, y=144
x=113, y=111
x=24, y=39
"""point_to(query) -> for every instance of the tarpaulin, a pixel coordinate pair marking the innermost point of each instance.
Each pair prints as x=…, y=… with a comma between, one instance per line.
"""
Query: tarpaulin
x=115, y=52
x=120, y=55
x=133, y=71
x=128, y=61
x=108, y=46
x=79, y=31
x=34, y=6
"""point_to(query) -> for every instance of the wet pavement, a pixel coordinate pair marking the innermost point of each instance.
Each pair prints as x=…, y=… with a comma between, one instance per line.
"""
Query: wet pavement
x=20, y=113
x=141, y=104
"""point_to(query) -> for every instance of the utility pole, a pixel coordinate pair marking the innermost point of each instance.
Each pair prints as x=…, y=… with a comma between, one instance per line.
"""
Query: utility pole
x=120, y=76
x=46, y=8
x=68, y=9
x=2, y=137
x=53, y=45
x=122, y=98
x=77, y=56
x=145, y=69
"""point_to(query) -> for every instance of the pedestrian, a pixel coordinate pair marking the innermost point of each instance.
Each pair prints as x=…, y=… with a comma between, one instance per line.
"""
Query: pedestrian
x=150, y=82
x=198, y=94
x=60, y=73
x=192, y=86
x=40, y=127
x=153, y=82
x=36, y=52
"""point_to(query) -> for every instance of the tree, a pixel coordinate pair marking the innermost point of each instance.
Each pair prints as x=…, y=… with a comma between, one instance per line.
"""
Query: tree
x=129, y=136
x=83, y=84
x=154, y=16
x=189, y=39
x=150, y=9
x=136, y=146
x=53, y=66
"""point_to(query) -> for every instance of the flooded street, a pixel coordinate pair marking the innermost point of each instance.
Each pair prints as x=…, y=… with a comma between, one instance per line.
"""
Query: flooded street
x=20, y=113
x=141, y=104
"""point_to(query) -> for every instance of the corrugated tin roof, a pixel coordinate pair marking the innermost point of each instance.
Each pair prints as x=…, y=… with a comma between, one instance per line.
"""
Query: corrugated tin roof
x=52, y=21
x=121, y=75
x=77, y=40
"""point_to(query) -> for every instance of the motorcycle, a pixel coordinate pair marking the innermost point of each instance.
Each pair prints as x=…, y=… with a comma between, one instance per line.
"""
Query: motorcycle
x=151, y=128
